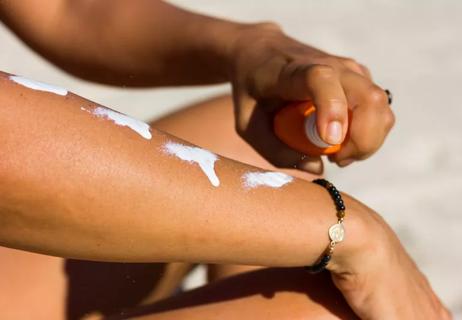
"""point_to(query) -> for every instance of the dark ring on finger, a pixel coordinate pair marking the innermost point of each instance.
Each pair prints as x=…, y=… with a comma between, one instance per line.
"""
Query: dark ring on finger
x=389, y=96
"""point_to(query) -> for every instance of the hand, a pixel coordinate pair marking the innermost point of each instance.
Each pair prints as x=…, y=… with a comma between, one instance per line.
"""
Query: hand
x=375, y=274
x=270, y=69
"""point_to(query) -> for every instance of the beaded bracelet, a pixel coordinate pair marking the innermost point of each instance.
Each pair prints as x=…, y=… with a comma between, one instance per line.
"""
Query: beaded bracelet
x=336, y=231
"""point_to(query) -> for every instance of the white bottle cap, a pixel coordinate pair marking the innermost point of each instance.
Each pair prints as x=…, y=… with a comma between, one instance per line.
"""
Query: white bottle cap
x=311, y=131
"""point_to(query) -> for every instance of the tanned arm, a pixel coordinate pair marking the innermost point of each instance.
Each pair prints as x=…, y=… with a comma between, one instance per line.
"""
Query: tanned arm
x=131, y=43
x=74, y=183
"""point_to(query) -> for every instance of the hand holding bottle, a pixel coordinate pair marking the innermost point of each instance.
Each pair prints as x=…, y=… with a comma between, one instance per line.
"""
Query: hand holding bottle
x=270, y=69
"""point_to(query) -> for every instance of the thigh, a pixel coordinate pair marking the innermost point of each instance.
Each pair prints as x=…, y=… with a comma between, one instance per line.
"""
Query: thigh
x=36, y=286
x=33, y=286
x=283, y=293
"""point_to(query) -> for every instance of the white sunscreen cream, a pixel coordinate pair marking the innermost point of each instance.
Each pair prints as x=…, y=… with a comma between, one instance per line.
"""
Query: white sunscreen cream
x=205, y=159
x=123, y=120
x=40, y=86
x=266, y=179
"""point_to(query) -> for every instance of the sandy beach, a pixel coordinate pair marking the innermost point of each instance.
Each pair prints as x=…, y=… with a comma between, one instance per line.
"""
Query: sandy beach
x=414, y=49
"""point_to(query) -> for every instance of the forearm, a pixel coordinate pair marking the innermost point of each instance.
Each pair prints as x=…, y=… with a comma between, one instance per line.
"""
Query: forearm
x=77, y=185
x=131, y=43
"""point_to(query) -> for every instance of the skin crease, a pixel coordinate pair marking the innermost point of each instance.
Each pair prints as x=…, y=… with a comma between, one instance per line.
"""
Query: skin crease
x=264, y=66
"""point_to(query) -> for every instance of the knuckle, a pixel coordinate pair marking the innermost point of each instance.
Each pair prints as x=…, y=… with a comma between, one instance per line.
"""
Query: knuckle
x=269, y=26
x=334, y=108
x=355, y=66
x=376, y=96
x=389, y=119
x=350, y=62
x=320, y=71
x=364, y=68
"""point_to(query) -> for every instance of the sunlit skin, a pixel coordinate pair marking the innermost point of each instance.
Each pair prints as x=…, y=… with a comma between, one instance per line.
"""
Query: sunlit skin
x=145, y=43
x=108, y=194
x=77, y=186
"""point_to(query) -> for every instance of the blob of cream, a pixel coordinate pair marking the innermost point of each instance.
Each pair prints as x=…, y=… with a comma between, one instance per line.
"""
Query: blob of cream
x=123, y=120
x=267, y=179
x=205, y=159
x=40, y=86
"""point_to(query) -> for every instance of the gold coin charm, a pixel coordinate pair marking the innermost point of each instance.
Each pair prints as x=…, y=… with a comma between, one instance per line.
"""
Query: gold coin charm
x=337, y=232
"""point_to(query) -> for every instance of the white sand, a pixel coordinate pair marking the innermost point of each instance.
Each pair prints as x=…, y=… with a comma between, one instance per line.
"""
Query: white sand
x=413, y=48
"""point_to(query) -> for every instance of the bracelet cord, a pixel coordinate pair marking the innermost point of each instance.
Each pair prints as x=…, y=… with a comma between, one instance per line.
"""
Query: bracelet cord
x=336, y=231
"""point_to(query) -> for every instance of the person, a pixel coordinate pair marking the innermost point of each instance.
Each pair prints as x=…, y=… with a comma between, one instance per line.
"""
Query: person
x=81, y=181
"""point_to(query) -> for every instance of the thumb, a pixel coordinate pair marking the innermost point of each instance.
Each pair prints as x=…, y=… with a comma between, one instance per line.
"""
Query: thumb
x=321, y=84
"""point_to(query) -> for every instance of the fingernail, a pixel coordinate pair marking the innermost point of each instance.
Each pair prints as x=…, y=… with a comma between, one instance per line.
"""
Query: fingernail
x=334, y=133
x=345, y=162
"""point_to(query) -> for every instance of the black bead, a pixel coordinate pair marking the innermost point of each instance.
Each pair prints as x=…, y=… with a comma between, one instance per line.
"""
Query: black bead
x=340, y=206
x=320, y=266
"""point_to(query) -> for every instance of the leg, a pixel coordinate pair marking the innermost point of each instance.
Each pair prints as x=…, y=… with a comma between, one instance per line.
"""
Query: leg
x=33, y=286
x=36, y=286
x=262, y=294
x=102, y=288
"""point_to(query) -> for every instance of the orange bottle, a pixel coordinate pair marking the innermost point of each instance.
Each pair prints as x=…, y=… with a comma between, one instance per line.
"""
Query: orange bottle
x=295, y=125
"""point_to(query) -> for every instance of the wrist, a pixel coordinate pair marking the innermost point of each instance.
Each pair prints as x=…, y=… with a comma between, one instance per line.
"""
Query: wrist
x=362, y=233
x=247, y=42
x=220, y=40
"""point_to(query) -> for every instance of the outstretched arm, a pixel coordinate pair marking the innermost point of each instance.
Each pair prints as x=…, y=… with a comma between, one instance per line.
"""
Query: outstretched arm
x=79, y=180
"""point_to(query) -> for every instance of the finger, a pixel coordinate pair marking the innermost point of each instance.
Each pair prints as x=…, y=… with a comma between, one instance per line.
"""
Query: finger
x=321, y=84
x=354, y=66
x=345, y=163
x=311, y=164
x=368, y=131
x=366, y=71
x=372, y=119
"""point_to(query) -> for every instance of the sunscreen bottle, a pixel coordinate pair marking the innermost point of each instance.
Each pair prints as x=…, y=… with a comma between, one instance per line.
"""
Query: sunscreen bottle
x=295, y=125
